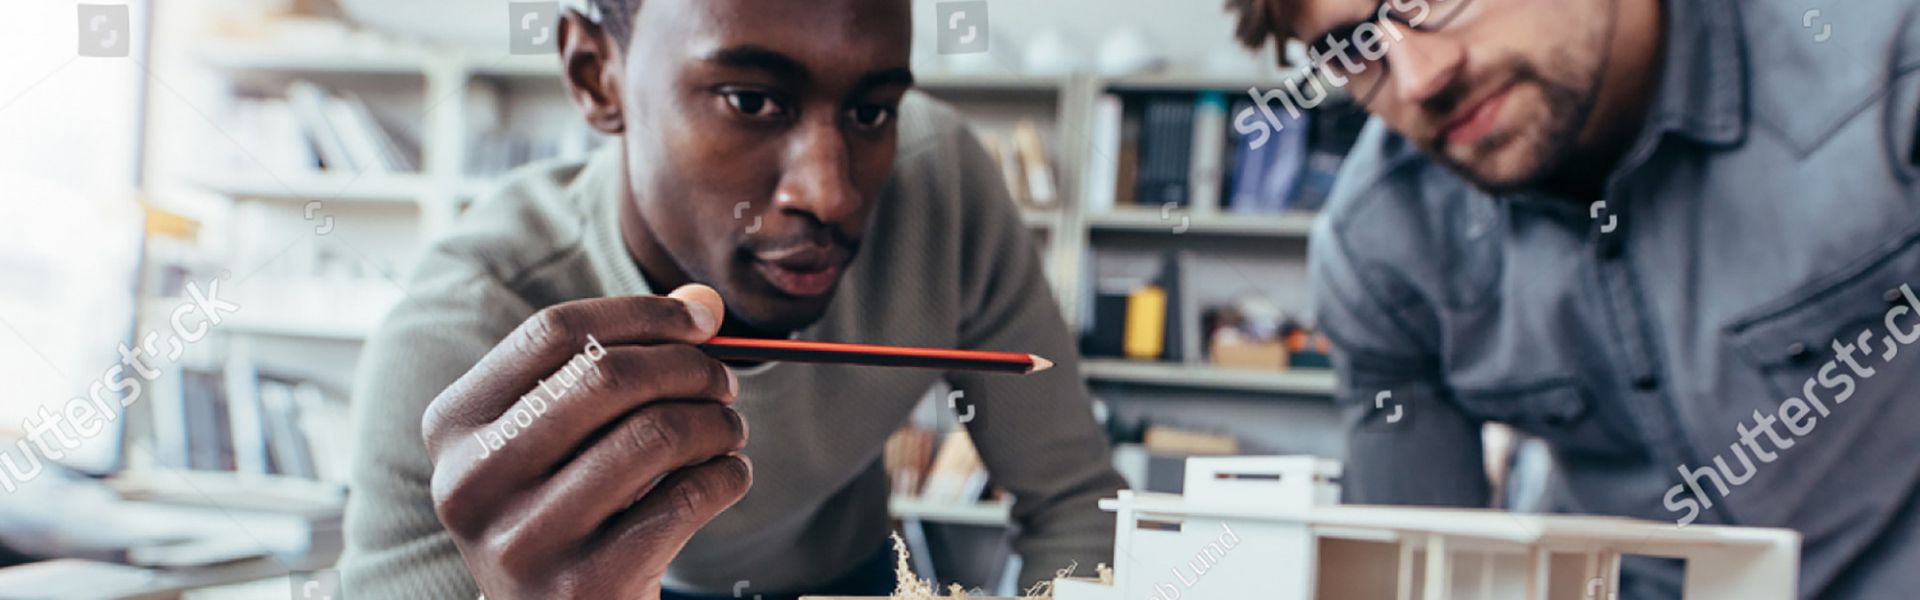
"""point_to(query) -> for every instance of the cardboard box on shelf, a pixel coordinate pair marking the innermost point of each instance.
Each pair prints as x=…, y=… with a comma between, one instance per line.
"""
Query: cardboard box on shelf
x=1268, y=355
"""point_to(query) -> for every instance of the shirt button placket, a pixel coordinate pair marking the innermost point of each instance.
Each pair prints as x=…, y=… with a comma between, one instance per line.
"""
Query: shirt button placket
x=1648, y=407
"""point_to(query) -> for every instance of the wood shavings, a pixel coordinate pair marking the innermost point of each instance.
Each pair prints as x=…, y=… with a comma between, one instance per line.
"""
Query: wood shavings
x=909, y=586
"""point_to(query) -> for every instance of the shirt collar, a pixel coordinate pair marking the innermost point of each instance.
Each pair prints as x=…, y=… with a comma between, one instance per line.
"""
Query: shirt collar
x=1703, y=85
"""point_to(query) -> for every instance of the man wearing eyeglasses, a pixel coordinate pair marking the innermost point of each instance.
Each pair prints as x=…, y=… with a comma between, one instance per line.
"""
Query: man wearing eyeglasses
x=1678, y=241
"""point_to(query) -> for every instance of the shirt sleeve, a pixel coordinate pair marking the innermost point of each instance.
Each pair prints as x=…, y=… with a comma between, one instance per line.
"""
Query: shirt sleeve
x=1407, y=442
x=1035, y=433
x=396, y=545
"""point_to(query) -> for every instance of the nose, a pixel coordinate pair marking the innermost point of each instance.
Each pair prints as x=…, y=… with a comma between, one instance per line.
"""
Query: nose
x=1423, y=64
x=819, y=176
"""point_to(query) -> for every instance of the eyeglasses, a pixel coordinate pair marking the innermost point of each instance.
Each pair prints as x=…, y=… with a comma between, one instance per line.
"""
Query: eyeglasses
x=1360, y=47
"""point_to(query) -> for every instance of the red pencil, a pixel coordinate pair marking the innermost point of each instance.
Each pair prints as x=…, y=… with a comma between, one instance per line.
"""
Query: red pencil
x=759, y=350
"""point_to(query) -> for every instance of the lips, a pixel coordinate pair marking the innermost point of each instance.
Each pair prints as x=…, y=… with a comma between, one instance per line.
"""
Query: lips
x=1476, y=121
x=805, y=271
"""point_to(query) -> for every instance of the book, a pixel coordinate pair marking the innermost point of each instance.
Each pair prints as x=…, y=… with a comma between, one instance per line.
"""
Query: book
x=289, y=449
x=386, y=146
x=1265, y=179
x=1166, y=144
x=1146, y=323
x=322, y=420
x=1103, y=169
x=269, y=135
x=171, y=446
x=360, y=142
x=310, y=105
x=1182, y=317
x=1032, y=151
x=209, y=435
x=244, y=423
x=1128, y=159
x=1105, y=335
x=1003, y=152
x=1209, y=152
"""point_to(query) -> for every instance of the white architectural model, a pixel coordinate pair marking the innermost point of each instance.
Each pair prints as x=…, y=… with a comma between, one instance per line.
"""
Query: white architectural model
x=1273, y=528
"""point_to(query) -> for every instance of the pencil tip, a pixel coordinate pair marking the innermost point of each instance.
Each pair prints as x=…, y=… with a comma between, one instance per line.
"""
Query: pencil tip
x=1039, y=364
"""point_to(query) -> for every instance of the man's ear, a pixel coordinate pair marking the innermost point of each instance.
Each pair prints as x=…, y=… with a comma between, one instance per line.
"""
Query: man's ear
x=590, y=67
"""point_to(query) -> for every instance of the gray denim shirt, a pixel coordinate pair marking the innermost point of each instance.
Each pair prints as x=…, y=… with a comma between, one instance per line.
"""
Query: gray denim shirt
x=1741, y=296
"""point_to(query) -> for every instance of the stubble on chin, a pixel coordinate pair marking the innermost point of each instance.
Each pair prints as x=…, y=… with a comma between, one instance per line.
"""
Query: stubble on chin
x=1542, y=143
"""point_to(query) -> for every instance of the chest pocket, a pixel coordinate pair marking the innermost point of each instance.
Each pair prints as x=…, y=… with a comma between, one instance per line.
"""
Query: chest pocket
x=1560, y=411
x=1837, y=355
x=1865, y=312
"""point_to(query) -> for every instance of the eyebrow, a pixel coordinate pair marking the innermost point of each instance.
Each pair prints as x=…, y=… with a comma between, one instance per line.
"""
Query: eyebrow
x=760, y=58
x=781, y=66
x=900, y=76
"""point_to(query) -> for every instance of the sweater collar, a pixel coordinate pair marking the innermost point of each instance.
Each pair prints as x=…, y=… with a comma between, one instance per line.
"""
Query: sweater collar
x=597, y=192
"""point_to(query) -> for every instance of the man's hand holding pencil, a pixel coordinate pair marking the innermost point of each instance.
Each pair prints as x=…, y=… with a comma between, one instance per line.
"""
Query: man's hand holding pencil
x=634, y=454
x=602, y=491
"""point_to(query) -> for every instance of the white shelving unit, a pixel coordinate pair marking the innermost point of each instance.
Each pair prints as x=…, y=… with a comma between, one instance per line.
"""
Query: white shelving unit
x=405, y=188
x=1304, y=382
x=443, y=184
x=991, y=514
x=1285, y=225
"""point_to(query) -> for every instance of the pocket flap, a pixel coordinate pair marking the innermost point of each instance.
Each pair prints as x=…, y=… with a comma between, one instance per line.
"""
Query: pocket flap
x=1801, y=327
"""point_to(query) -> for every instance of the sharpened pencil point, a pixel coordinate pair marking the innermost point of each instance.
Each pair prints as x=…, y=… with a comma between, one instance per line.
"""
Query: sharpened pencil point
x=1039, y=364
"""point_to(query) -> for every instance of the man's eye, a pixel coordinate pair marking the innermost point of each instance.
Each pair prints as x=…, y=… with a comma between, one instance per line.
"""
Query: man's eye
x=755, y=104
x=871, y=116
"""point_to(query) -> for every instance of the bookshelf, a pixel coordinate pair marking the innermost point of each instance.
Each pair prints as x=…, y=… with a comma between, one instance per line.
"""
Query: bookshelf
x=308, y=330
x=429, y=91
x=1064, y=105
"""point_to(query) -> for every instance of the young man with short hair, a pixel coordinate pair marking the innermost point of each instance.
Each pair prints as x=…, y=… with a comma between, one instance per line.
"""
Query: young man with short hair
x=1675, y=239
x=536, y=422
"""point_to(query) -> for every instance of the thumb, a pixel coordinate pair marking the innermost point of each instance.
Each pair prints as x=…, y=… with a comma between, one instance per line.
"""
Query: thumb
x=703, y=304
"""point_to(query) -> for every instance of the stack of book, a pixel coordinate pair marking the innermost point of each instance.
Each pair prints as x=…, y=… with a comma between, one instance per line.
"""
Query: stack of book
x=1160, y=151
x=312, y=128
x=1025, y=164
x=1145, y=318
x=245, y=421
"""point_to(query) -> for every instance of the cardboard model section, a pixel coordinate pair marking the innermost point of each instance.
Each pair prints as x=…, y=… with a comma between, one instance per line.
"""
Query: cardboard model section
x=1273, y=528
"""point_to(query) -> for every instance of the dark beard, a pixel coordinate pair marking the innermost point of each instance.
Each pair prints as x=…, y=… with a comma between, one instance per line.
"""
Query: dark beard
x=1568, y=108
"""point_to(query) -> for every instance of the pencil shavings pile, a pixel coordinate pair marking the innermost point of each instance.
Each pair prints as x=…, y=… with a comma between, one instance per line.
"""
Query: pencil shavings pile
x=911, y=587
